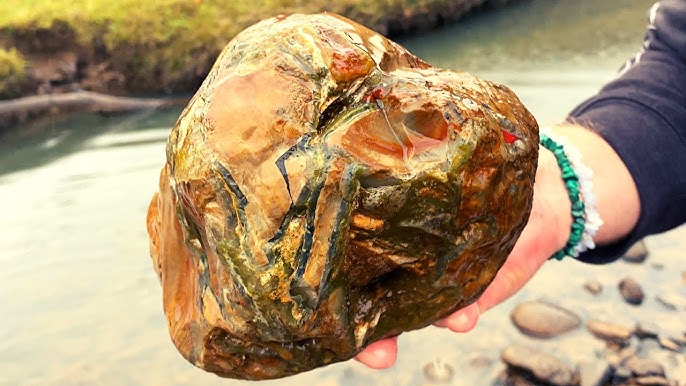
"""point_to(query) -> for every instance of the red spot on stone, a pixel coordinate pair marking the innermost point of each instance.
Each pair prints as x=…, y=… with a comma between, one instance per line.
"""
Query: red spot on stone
x=375, y=95
x=508, y=137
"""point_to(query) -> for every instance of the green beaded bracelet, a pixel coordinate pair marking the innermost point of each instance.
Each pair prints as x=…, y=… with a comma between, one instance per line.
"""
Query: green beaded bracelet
x=573, y=190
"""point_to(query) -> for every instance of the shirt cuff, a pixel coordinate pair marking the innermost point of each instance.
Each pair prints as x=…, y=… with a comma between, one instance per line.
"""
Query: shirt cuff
x=655, y=155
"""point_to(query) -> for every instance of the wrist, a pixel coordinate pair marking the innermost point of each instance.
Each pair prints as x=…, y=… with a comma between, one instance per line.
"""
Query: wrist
x=615, y=192
x=552, y=200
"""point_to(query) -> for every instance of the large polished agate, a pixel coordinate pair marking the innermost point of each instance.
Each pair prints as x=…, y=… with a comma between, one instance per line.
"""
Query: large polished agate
x=325, y=189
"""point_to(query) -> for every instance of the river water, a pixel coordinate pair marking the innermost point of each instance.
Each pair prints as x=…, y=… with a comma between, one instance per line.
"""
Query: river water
x=80, y=304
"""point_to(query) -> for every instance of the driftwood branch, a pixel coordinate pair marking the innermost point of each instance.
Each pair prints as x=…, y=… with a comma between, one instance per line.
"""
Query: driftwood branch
x=16, y=111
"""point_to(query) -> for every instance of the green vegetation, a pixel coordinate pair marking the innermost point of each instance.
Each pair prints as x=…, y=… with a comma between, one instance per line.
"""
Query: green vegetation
x=157, y=44
x=12, y=69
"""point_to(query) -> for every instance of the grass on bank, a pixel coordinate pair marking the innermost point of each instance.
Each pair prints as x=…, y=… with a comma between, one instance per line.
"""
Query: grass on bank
x=12, y=69
x=163, y=42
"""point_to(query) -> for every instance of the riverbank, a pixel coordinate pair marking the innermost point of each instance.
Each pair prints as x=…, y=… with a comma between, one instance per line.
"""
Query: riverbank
x=135, y=47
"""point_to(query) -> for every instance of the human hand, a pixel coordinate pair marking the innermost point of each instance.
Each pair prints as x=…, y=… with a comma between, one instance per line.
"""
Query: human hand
x=546, y=232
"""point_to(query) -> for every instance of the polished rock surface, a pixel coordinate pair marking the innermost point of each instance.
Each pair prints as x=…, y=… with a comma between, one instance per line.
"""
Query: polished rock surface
x=325, y=189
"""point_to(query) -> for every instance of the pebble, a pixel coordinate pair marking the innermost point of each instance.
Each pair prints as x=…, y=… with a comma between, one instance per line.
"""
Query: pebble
x=643, y=331
x=595, y=373
x=637, y=253
x=621, y=375
x=510, y=377
x=541, y=365
x=631, y=291
x=671, y=301
x=683, y=277
x=665, y=303
x=654, y=381
x=543, y=320
x=438, y=371
x=609, y=331
x=641, y=367
x=593, y=286
x=668, y=344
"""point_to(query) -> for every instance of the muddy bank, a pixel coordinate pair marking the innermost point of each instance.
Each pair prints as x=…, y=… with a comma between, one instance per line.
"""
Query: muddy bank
x=57, y=59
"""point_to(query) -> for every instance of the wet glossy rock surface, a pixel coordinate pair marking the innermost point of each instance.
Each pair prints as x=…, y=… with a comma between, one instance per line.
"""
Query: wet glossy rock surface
x=325, y=189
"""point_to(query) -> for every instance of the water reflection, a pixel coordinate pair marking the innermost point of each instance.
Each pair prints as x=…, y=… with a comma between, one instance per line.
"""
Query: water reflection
x=40, y=144
x=79, y=301
x=562, y=34
x=553, y=54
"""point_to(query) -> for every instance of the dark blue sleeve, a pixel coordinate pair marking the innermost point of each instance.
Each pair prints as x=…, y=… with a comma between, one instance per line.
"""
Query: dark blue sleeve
x=642, y=115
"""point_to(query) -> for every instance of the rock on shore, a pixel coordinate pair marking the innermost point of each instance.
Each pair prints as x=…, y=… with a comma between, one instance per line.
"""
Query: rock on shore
x=543, y=320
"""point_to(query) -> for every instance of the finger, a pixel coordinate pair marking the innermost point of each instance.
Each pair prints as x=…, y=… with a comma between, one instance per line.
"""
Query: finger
x=511, y=277
x=528, y=255
x=379, y=355
x=462, y=320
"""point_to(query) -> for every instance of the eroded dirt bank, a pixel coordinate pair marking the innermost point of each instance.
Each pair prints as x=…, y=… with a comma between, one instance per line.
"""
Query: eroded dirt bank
x=65, y=57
